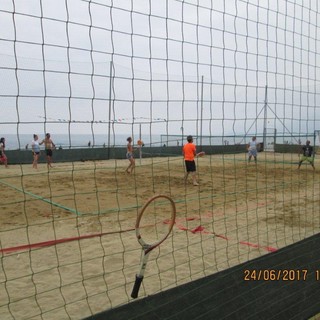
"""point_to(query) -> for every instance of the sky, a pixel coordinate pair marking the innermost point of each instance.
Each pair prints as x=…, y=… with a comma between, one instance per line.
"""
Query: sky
x=159, y=67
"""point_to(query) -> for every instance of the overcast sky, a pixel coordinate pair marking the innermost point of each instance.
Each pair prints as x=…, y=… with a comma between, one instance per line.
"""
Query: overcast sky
x=174, y=63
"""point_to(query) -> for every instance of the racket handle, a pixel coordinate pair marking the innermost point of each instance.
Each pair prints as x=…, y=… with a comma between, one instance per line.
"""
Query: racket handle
x=136, y=287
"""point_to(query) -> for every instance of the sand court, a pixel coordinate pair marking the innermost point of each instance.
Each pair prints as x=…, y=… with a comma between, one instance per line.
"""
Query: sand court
x=68, y=246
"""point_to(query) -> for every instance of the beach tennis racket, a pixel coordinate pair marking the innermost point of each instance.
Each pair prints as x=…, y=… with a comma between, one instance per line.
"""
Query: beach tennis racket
x=201, y=154
x=154, y=224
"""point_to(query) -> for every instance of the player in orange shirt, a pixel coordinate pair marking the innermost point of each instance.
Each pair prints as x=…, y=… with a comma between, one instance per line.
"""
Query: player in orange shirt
x=189, y=153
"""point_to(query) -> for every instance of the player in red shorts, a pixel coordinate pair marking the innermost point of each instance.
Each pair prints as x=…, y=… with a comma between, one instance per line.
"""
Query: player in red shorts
x=3, y=157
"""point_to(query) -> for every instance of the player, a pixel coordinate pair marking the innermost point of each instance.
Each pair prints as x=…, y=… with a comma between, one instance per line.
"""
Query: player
x=49, y=146
x=252, y=149
x=189, y=153
x=3, y=157
x=307, y=154
x=35, y=151
x=130, y=156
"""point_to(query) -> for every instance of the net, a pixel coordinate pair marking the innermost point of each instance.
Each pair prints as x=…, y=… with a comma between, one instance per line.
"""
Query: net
x=92, y=74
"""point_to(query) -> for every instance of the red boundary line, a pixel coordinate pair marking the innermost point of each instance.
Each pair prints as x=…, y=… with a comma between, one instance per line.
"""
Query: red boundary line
x=57, y=241
x=49, y=243
x=199, y=229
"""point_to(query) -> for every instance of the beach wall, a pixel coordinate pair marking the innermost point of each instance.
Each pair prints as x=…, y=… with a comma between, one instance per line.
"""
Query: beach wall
x=287, y=148
x=89, y=154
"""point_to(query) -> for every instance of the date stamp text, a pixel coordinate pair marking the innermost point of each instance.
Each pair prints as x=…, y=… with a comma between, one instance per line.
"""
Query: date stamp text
x=277, y=275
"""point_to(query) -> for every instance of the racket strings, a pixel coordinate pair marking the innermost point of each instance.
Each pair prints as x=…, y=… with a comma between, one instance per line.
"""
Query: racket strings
x=156, y=222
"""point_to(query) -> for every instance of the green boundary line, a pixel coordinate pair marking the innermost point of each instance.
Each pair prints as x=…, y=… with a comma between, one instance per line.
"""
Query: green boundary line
x=41, y=198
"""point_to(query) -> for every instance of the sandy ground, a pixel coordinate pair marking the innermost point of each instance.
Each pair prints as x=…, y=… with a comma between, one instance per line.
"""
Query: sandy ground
x=67, y=240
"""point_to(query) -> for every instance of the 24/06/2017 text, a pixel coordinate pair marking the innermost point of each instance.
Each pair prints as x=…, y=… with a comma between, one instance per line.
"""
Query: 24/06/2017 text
x=276, y=275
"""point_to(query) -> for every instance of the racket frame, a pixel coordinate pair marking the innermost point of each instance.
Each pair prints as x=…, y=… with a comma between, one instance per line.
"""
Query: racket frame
x=147, y=248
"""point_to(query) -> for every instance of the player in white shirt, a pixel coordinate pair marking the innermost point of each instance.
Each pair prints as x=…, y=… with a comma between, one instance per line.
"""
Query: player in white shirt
x=252, y=149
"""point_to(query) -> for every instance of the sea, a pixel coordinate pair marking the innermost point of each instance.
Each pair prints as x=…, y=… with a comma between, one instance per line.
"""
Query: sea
x=66, y=141
x=73, y=141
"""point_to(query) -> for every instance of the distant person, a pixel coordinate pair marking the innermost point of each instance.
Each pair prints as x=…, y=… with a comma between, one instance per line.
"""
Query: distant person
x=35, y=151
x=3, y=157
x=252, y=149
x=189, y=153
x=307, y=154
x=130, y=156
x=48, y=146
x=89, y=144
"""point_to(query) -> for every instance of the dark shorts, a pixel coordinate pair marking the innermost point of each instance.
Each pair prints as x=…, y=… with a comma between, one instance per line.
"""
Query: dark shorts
x=49, y=152
x=190, y=166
